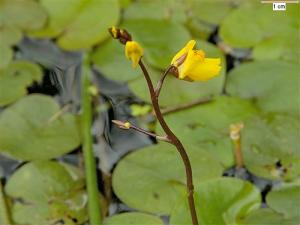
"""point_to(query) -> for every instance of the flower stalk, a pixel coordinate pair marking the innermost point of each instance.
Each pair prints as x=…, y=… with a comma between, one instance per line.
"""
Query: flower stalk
x=4, y=210
x=124, y=37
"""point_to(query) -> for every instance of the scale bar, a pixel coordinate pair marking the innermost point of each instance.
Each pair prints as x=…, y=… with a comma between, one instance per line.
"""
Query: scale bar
x=282, y=1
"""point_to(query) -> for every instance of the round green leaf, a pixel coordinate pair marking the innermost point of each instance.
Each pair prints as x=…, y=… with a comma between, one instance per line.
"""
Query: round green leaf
x=133, y=218
x=48, y=193
x=270, y=83
x=270, y=145
x=219, y=201
x=184, y=91
x=110, y=59
x=248, y=26
x=60, y=14
x=27, y=14
x=285, y=201
x=32, y=129
x=9, y=35
x=91, y=24
x=266, y=217
x=161, y=40
x=15, y=78
x=6, y=55
x=205, y=127
x=153, y=178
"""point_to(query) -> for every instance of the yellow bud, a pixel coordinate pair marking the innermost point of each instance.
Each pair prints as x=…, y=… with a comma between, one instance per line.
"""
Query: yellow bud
x=134, y=52
x=127, y=125
x=114, y=32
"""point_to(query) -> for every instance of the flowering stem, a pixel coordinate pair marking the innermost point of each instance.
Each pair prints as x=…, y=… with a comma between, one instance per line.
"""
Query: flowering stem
x=161, y=81
x=174, y=140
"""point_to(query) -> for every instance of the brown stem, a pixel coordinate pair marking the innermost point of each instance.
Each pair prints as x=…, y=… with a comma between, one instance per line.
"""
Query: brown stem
x=161, y=81
x=127, y=125
x=185, y=105
x=175, y=141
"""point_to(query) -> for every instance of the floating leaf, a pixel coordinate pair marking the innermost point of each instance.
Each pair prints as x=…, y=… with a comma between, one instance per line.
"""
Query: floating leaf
x=61, y=13
x=6, y=55
x=153, y=178
x=270, y=83
x=268, y=216
x=15, y=78
x=285, y=200
x=90, y=26
x=26, y=14
x=133, y=218
x=161, y=40
x=207, y=126
x=156, y=9
x=33, y=129
x=219, y=201
x=270, y=145
x=9, y=35
x=110, y=59
x=184, y=91
x=48, y=193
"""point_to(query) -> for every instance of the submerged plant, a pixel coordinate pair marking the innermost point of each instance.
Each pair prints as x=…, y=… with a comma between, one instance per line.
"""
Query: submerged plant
x=188, y=64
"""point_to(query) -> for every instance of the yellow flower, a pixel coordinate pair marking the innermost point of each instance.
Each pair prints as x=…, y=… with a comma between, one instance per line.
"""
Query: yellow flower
x=134, y=52
x=192, y=64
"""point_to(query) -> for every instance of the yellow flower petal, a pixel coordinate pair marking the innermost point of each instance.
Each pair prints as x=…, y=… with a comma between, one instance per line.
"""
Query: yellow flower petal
x=189, y=46
x=134, y=52
x=193, y=58
x=205, y=70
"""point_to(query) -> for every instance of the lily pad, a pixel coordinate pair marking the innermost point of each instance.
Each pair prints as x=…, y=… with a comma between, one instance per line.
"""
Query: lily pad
x=161, y=40
x=286, y=201
x=34, y=129
x=270, y=145
x=248, y=26
x=6, y=55
x=219, y=201
x=184, y=91
x=60, y=14
x=110, y=59
x=268, y=216
x=27, y=14
x=48, y=193
x=133, y=218
x=153, y=178
x=269, y=83
x=9, y=35
x=90, y=25
x=15, y=78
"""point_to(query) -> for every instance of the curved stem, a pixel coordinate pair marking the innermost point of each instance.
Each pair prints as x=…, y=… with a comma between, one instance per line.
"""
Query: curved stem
x=4, y=210
x=175, y=141
x=161, y=81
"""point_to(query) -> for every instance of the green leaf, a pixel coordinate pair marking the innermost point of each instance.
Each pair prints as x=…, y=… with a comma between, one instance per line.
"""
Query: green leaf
x=184, y=91
x=207, y=126
x=270, y=145
x=267, y=217
x=219, y=201
x=91, y=24
x=285, y=200
x=15, y=78
x=153, y=178
x=133, y=218
x=110, y=59
x=6, y=55
x=248, y=26
x=34, y=129
x=269, y=83
x=161, y=40
x=60, y=15
x=27, y=14
x=9, y=35
x=156, y=9
x=48, y=193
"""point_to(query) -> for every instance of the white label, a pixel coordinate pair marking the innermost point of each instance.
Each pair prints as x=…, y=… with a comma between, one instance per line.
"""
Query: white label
x=279, y=6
